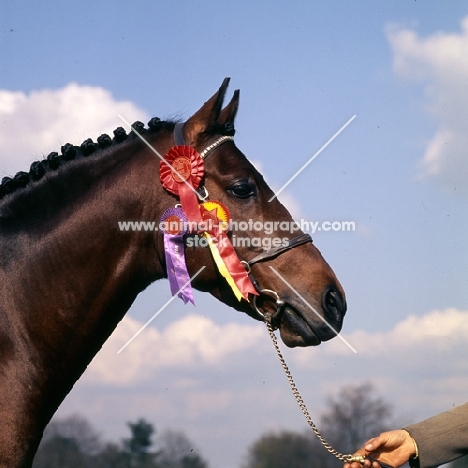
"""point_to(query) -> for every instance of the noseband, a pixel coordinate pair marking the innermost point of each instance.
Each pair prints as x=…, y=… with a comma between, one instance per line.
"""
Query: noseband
x=264, y=256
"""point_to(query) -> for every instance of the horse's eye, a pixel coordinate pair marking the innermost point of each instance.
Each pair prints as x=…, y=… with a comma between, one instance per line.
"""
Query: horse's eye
x=243, y=190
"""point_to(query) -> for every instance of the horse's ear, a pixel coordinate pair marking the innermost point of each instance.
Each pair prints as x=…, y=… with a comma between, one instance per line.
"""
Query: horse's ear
x=205, y=119
x=228, y=114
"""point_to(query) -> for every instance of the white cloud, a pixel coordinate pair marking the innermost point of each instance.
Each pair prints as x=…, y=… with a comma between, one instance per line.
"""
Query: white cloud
x=422, y=348
x=439, y=61
x=34, y=124
x=437, y=330
x=420, y=364
x=194, y=341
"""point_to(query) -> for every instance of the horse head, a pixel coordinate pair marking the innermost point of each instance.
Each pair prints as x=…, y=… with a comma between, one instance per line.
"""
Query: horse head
x=296, y=287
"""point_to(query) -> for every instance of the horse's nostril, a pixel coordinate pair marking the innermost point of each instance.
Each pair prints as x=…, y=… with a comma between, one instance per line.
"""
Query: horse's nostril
x=334, y=305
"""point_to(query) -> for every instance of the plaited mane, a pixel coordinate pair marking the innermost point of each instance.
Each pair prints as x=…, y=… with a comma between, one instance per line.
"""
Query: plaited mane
x=70, y=152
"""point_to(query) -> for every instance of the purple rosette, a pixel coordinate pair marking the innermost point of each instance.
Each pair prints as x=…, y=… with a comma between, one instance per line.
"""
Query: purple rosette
x=173, y=225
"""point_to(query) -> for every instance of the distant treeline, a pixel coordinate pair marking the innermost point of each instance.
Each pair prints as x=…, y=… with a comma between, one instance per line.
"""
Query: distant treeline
x=349, y=419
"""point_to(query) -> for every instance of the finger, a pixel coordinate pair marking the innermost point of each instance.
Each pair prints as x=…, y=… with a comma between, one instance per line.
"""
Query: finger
x=356, y=465
x=372, y=444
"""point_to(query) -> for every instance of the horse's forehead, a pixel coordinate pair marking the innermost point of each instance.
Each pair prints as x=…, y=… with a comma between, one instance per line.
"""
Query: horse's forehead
x=230, y=160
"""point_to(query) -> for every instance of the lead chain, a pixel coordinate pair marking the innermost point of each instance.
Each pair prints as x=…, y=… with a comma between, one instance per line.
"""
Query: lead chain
x=344, y=458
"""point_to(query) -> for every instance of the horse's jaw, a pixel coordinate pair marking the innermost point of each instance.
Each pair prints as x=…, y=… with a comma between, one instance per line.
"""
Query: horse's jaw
x=295, y=331
x=298, y=330
x=297, y=327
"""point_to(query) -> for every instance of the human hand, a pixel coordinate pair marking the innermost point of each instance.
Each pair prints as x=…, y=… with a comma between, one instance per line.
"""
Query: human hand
x=393, y=448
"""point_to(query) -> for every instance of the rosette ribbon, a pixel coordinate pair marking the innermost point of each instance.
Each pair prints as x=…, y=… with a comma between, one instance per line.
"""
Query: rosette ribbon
x=216, y=217
x=181, y=173
x=173, y=224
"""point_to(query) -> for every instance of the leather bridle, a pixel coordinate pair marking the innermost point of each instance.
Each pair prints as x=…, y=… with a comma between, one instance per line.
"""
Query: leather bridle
x=270, y=254
x=263, y=257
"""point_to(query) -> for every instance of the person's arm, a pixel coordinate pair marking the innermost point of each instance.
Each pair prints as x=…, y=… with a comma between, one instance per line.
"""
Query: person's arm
x=442, y=438
x=427, y=444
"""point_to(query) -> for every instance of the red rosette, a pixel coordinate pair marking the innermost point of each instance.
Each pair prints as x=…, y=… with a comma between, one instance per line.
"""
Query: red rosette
x=181, y=164
x=181, y=173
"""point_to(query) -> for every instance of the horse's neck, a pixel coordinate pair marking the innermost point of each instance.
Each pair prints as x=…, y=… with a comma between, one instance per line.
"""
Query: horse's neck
x=70, y=278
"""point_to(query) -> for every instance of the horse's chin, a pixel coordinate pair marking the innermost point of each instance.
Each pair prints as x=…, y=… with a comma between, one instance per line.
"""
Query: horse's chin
x=295, y=331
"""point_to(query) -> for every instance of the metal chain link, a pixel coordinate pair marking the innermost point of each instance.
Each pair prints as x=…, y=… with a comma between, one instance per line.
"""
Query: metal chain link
x=342, y=457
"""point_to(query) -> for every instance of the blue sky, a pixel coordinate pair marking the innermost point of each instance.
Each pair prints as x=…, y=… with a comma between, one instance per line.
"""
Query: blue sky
x=399, y=170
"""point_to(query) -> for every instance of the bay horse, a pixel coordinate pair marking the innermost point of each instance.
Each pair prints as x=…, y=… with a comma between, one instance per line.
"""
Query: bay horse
x=68, y=274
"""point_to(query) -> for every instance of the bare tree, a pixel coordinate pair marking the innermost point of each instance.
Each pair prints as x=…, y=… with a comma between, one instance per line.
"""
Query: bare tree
x=75, y=428
x=68, y=443
x=177, y=451
x=355, y=415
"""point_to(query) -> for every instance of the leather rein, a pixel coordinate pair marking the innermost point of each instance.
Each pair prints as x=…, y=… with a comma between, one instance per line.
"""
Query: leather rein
x=270, y=254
